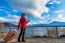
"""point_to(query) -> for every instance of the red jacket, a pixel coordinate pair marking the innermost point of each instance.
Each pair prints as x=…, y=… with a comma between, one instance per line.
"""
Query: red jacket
x=22, y=22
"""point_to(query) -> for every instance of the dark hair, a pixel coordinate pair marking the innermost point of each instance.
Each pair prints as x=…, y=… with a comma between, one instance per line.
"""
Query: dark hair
x=23, y=14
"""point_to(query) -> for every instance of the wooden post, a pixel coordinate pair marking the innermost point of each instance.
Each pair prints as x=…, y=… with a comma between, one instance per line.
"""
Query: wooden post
x=56, y=32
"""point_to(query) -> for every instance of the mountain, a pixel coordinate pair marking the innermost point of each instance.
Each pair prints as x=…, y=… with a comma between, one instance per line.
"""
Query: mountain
x=8, y=24
x=52, y=24
x=56, y=23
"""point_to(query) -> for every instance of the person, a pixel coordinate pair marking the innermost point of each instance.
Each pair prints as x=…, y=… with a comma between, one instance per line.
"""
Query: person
x=22, y=24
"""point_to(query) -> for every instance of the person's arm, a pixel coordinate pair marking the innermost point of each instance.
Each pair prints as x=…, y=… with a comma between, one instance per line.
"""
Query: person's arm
x=27, y=21
x=19, y=23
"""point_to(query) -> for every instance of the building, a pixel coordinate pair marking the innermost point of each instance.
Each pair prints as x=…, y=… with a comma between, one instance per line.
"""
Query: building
x=2, y=25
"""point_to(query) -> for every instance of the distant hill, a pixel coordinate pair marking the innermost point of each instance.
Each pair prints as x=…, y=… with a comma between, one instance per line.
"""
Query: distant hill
x=8, y=24
x=56, y=23
x=52, y=24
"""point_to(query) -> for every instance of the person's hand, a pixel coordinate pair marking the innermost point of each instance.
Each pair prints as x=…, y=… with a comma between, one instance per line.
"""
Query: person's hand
x=28, y=20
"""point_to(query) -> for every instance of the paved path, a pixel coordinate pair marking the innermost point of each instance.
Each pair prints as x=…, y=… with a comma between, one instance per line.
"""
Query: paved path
x=41, y=40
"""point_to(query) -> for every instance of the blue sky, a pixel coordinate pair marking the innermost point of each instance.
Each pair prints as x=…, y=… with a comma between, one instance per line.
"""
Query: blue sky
x=39, y=12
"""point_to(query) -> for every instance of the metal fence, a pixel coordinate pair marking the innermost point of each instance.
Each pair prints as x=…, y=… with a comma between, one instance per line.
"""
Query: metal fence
x=39, y=31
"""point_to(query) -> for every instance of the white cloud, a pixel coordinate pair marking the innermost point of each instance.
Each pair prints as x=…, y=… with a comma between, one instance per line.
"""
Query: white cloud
x=57, y=1
x=61, y=17
x=51, y=3
x=8, y=13
x=43, y=22
x=3, y=19
x=39, y=8
x=36, y=11
x=59, y=11
x=18, y=4
x=38, y=4
x=15, y=18
x=9, y=17
x=14, y=10
x=12, y=18
x=1, y=10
